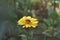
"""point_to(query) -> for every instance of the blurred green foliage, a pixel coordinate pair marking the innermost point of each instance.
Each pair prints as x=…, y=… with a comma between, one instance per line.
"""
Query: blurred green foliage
x=11, y=11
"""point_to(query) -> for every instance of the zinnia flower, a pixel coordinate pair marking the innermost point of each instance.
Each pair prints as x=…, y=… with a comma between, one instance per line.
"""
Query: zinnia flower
x=28, y=21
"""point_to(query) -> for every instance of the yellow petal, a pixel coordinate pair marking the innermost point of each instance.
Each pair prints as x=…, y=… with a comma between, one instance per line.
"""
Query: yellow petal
x=28, y=17
x=23, y=26
x=26, y=26
x=33, y=19
x=34, y=26
x=35, y=22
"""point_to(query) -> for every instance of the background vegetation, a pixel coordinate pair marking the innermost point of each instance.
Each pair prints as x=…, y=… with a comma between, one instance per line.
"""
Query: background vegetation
x=46, y=11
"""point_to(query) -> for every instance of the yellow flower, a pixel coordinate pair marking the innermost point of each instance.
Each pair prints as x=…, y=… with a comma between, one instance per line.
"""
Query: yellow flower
x=28, y=21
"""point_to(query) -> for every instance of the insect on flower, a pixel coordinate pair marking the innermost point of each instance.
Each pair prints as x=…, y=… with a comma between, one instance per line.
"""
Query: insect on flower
x=28, y=21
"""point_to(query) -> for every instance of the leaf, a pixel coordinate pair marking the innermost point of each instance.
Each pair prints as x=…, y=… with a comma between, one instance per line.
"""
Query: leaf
x=53, y=15
x=47, y=21
x=47, y=34
x=43, y=26
x=24, y=37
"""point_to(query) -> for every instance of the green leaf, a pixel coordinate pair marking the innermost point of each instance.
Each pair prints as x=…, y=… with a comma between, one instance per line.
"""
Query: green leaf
x=53, y=15
x=47, y=34
x=23, y=37
x=43, y=26
x=47, y=22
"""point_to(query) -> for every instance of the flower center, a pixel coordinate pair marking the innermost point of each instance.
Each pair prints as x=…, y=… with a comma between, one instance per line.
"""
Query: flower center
x=28, y=21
